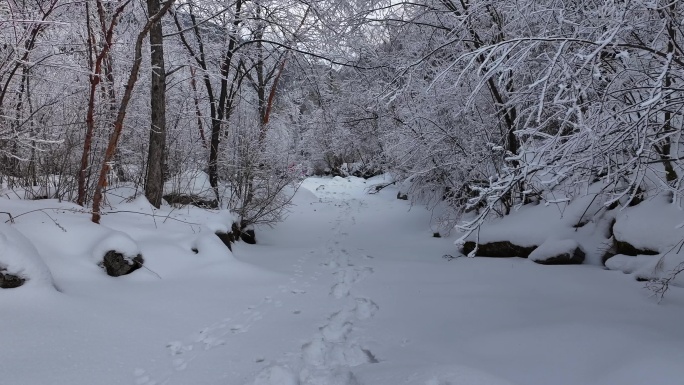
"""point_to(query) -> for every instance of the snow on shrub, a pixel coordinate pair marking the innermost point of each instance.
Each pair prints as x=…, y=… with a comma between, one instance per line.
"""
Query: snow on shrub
x=20, y=258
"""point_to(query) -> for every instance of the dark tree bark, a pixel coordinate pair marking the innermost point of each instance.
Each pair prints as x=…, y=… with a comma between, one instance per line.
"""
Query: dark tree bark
x=154, y=182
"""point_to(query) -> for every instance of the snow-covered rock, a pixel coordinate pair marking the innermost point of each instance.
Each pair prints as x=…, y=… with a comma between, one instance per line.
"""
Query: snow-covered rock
x=583, y=219
x=558, y=252
x=118, y=254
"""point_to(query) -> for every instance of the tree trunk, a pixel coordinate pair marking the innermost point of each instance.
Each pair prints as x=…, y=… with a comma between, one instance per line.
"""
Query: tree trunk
x=121, y=114
x=154, y=183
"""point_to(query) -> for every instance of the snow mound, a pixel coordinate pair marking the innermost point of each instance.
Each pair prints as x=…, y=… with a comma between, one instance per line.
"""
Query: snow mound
x=19, y=257
x=117, y=241
x=209, y=245
x=628, y=264
x=654, y=224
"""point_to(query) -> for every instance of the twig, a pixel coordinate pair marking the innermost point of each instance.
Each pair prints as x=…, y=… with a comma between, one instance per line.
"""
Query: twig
x=152, y=215
x=378, y=187
x=148, y=269
x=10, y=216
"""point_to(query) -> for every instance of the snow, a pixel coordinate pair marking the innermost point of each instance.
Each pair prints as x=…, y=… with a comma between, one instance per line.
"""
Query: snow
x=352, y=289
x=190, y=183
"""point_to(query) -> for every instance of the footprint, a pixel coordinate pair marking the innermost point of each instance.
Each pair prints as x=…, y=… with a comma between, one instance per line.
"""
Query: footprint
x=365, y=308
x=212, y=342
x=177, y=348
x=340, y=290
x=313, y=352
x=142, y=378
x=180, y=364
x=335, y=332
x=298, y=291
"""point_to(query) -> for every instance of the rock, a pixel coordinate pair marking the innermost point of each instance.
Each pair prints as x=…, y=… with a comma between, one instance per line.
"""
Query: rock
x=623, y=247
x=10, y=281
x=248, y=236
x=401, y=196
x=226, y=238
x=558, y=252
x=117, y=264
x=501, y=249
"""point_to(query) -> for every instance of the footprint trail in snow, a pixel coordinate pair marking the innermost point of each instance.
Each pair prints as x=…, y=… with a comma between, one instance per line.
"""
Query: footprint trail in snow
x=334, y=350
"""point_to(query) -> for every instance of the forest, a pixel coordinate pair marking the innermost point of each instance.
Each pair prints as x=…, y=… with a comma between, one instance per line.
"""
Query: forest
x=485, y=105
x=300, y=188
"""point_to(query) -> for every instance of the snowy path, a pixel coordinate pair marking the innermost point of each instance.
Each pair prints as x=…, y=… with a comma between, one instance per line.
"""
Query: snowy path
x=350, y=290
x=331, y=351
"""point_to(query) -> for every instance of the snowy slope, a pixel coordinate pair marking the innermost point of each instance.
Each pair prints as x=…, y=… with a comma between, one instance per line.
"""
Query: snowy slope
x=350, y=289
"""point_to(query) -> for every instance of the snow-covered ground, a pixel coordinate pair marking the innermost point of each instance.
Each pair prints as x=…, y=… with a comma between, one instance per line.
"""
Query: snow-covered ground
x=352, y=289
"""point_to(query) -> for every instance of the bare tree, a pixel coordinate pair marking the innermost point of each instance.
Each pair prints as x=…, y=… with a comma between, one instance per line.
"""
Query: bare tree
x=154, y=183
x=121, y=115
